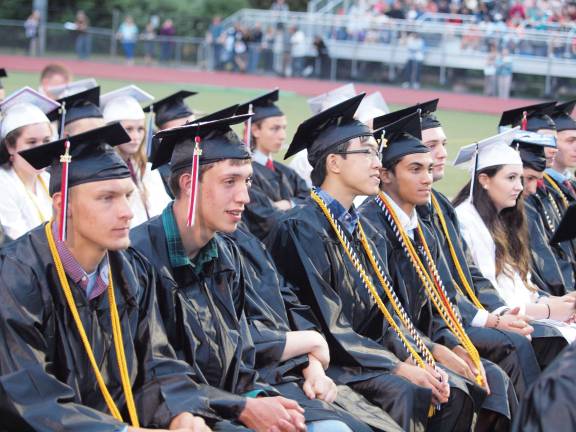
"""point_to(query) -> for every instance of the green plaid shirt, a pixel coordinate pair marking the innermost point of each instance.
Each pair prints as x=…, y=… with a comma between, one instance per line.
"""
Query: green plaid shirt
x=176, y=252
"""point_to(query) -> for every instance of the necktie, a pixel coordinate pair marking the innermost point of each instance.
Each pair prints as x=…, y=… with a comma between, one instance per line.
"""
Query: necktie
x=270, y=165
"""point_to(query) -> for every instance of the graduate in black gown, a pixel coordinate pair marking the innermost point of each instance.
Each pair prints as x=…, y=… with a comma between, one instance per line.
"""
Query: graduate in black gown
x=167, y=113
x=275, y=186
x=70, y=281
x=477, y=299
x=554, y=276
x=549, y=404
x=550, y=199
x=277, y=320
x=372, y=351
x=201, y=288
x=418, y=272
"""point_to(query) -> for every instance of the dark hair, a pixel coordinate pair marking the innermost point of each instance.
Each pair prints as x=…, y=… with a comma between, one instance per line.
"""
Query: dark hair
x=9, y=141
x=252, y=137
x=318, y=174
x=52, y=69
x=508, y=228
x=174, y=181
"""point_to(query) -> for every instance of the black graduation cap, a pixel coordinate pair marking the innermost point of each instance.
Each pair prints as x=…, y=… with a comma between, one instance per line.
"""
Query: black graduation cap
x=562, y=116
x=171, y=107
x=85, y=104
x=217, y=141
x=262, y=106
x=3, y=74
x=566, y=230
x=328, y=129
x=427, y=109
x=220, y=114
x=537, y=117
x=531, y=146
x=403, y=137
x=78, y=159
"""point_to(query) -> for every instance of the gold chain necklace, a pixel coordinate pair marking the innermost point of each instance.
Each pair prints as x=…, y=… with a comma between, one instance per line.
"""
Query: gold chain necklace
x=433, y=285
x=455, y=260
x=116, y=334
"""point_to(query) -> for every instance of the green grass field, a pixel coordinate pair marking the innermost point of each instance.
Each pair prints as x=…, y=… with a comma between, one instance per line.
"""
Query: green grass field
x=461, y=128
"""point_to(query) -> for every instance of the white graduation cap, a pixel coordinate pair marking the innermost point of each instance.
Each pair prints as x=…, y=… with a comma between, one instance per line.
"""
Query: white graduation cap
x=324, y=101
x=489, y=152
x=372, y=106
x=69, y=89
x=24, y=107
x=124, y=104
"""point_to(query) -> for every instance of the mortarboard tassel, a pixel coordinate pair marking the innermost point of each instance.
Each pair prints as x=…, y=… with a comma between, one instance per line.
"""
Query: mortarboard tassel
x=62, y=120
x=248, y=128
x=194, y=182
x=65, y=160
x=473, y=181
x=524, y=123
x=150, y=133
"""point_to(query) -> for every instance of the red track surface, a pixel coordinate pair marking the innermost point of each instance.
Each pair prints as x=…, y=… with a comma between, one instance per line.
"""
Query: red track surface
x=305, y=87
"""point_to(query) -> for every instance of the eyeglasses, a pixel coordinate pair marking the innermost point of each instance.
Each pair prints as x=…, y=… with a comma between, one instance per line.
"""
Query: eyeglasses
x=370, y=153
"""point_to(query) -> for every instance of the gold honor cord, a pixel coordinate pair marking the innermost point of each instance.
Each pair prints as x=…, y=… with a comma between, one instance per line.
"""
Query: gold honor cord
x=374, y=293
x=33, y=198
x=434, y=289
x=555, y=186
x=116, y=333
x=455, y=260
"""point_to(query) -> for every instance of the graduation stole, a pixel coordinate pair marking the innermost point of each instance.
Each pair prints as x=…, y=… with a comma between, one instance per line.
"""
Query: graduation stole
x=116, y=334
x=555, y=186
x=431, y=281
x=455, y=260
x=394, y=301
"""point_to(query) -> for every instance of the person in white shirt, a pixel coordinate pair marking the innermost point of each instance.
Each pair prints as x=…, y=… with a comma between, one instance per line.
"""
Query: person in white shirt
x=25, y=201
x=494, y=226
x=123, y=105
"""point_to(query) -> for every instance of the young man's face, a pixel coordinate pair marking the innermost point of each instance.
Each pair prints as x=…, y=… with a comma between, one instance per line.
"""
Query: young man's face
x=223, y=193
x=530, y=180
x=435, y=140
x=411, y=180
x=549, y=152
x=270, y=134
x=360, y=171
x=99, y=214
x=566, y=157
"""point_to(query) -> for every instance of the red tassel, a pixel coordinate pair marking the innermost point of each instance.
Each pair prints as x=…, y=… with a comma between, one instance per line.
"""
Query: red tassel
x=194, y=183
x=248, y=128
x=65, y=160
x=524, y=124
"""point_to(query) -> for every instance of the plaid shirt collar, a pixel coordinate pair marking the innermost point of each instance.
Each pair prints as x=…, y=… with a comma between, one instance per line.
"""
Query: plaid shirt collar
x=75, y=271
x=176, y=252
x=348, y=218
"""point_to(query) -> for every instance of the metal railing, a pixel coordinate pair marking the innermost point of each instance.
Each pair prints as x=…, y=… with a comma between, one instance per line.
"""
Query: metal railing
x=102, y=42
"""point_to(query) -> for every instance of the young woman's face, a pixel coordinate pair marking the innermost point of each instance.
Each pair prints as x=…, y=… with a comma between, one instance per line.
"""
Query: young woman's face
x=504, y=187
x=30, y=137
x=136, y=129
x=270, y=134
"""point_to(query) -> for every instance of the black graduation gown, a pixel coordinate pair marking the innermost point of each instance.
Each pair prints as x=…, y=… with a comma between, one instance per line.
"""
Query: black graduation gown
x=549, y=404
x=511, y=351
x=268, y=187
x=206, y=324
x=310, y=257
x=549, y=218
x=419, y=307
x=46, y=380
x=272, y=310
x=545, y=269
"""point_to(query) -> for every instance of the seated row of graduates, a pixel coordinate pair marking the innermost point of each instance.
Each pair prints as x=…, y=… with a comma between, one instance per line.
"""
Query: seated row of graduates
x=386, y=308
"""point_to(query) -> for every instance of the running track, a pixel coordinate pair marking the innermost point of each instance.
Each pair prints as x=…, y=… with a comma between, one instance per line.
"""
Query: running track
x=304, y=87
